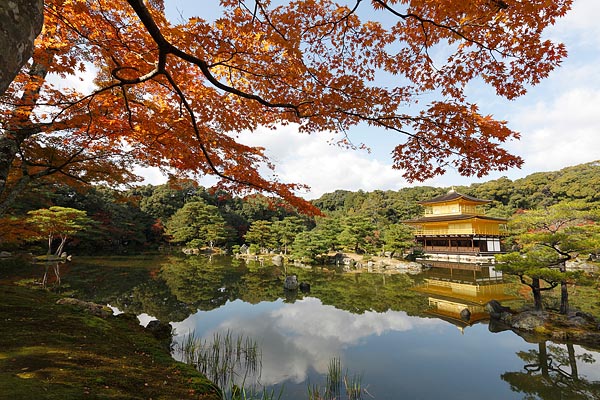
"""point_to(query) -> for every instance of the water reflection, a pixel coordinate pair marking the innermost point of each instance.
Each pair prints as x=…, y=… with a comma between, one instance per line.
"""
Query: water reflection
x=399, y=340
x=392, y=351
x=184, y=285
x=458, y=292
x=555, y=372
x=301, y=337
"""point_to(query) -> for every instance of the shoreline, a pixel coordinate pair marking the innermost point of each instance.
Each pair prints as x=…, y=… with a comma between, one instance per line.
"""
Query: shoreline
x=62, y=351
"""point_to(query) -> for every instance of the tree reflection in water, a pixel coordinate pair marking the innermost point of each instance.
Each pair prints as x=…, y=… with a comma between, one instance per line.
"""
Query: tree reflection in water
x=375, y=322
x=551, y=372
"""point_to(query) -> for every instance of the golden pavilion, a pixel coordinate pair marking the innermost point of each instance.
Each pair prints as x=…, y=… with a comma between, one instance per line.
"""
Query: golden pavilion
x=454, y=224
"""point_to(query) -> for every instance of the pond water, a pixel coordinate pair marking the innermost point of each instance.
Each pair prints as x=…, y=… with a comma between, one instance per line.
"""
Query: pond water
x=393, y=335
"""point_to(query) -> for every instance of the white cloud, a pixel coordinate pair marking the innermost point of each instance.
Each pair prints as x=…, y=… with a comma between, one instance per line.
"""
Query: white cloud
x=311, y=160
x=82, y=81
x=151, y=175
x=561, y=128
x=325, y=167
x=580, y=25
x=561, y=132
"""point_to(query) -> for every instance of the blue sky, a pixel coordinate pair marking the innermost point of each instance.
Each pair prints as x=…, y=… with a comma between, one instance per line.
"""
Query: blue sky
x=559, y=121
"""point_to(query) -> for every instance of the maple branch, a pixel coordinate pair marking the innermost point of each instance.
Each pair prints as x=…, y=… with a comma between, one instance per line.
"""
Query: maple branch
x=26, y=178
x=203, y=148
x=205, y=151
x=127, y=108
x=257, y=3
x=335, y=22
x=422, y=20
x=165, y=47
x=381, y=121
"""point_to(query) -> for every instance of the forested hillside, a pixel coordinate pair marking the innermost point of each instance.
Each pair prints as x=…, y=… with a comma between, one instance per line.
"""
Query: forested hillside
x=581, y=182
x=182, y=213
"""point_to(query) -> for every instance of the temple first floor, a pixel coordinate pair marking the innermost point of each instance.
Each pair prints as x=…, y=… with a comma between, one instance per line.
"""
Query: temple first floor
x=468, y=245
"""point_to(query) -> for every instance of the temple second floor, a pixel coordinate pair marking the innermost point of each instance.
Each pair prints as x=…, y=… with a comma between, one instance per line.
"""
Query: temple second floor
x=451, y=225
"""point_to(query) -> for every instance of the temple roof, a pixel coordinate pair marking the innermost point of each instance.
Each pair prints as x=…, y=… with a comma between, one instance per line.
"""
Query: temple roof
x=451, y=196
x=459, y=217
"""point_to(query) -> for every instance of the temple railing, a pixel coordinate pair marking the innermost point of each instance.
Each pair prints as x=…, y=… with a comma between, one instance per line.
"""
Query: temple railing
x=459, y=231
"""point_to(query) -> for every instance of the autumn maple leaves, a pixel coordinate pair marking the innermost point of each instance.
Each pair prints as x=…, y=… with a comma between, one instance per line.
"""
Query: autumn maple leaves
x=174, y=95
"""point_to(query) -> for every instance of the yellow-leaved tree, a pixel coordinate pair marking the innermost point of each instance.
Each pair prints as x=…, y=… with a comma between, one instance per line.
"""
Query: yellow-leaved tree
x=174, y=95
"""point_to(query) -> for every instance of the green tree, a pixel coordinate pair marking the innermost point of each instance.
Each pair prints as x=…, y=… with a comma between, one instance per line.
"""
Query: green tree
x=309, y=245
x=531, y=272
x=120, y=224
x=549, y=237
x=261, y=208
x=334, y=201
x=286, y=230
x=329, y=229
x=57, y=223
x=580, y=182
x=197, y=224
x=398, y=237
x=357, y=232
x=260, y=234
x=162, y=201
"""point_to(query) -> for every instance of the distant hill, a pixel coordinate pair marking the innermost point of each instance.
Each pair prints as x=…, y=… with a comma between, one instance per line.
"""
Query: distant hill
x=580, y=182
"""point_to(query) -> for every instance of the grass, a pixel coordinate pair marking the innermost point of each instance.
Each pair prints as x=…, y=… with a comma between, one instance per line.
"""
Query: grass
x=50, y=351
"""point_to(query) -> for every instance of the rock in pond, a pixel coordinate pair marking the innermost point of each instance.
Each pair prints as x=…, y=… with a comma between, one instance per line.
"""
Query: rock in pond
x=304, y=287
x=291, y=282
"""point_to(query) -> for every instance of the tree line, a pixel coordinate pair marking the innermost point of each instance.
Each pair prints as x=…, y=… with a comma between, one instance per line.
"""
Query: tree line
x=553, y=219
x=182, y=213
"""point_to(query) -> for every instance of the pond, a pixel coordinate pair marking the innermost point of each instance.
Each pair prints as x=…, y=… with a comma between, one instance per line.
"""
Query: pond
x=389, y=336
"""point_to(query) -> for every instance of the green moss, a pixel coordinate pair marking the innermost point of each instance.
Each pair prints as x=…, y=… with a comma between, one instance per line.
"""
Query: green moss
x=51, y=351
x=97, y=323
x=542, y=330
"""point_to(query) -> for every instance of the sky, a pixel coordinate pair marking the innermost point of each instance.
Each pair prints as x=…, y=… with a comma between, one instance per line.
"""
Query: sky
x=559, y=122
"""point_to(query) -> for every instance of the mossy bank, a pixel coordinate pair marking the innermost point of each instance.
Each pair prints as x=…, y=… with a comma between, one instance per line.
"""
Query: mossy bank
x=53, y=351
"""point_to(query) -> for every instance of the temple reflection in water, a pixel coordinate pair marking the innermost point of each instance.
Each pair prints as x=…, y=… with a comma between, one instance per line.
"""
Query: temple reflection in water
x=458, y=292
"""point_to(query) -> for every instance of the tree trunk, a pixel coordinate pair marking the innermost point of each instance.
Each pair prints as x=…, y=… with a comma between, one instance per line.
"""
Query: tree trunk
x=50, y=238
x=573, y=362
x=45, y=278
x=20, y=128
x=61, y=246
x=544, y=359
x=564, y=298
x=564, y=292
x=8, y=151
x=537, y=294
x=57, y=272
x=20, y=23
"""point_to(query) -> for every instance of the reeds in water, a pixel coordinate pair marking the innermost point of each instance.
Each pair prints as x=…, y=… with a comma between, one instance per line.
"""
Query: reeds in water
x=229, y=361
x=338, y=385
x=234, y=364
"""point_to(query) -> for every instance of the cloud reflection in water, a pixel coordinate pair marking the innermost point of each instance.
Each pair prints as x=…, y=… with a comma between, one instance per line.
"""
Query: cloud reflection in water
x=301, y=336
